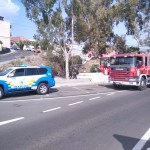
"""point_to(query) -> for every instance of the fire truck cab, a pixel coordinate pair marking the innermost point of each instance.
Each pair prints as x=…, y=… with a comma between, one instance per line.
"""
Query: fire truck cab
x=130, y=69
x=105, y=65
x=105, y=62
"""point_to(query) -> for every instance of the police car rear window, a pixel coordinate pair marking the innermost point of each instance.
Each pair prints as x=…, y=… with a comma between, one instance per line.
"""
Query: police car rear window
x=31, y=71
x=42, y=71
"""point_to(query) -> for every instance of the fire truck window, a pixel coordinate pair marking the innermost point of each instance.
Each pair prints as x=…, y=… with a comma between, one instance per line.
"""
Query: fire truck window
x=104, y=61
x=123, y=61
x=112, y=61
x=138, y=61
x=147, y=61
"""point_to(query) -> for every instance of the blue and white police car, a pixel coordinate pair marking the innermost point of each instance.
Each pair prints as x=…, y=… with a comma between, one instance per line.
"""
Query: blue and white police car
x=25, y=78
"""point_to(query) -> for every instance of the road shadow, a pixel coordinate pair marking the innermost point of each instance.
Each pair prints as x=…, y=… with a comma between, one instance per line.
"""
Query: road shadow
x=128, y=143
x=27, y=93
x=120, y=88
x=53, y=90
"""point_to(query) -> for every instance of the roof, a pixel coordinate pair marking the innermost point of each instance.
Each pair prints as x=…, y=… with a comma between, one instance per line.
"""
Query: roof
x=132, y=55
x=18, y=38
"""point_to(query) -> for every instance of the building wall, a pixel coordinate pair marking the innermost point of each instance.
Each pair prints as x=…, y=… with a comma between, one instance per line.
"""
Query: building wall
x=5, y=33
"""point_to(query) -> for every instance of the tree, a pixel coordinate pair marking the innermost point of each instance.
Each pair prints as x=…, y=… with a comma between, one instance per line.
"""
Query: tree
x=132, y=49
x=76, y=60
x=94, y=23
x=120, y=44
x=91, y=21
x=147, y=36
x=22, y=43
x=52, y=26
x=132, y=13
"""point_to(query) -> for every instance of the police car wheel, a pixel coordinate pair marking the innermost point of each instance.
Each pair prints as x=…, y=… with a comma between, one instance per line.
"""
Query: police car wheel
x=1, y=92
x=42, y=89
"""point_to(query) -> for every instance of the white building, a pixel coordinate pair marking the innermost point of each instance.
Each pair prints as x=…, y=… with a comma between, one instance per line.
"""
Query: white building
x=5, y=32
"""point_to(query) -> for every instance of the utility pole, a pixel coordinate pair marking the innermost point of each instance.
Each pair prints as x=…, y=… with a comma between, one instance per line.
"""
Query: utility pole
x=72, y=24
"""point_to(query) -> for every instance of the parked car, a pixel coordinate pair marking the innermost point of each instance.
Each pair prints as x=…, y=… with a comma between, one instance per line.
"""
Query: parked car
x=37, y=50
x=15, y=47
x=25, y=78
x=28, y=48
x=5, y=51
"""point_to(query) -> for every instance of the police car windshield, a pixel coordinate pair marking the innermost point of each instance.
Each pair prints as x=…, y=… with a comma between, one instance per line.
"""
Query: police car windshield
x=5, y=72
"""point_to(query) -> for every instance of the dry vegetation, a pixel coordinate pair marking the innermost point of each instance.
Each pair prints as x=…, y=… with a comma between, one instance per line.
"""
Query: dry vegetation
x=87, y=66
x=34, y=60
x=40, y=59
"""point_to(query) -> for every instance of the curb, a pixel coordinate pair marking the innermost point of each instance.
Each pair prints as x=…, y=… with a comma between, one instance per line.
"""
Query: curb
x=69, y=85
x=79, y=83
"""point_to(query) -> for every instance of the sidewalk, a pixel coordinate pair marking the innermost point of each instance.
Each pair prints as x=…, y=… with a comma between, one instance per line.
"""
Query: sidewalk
x=60, y=82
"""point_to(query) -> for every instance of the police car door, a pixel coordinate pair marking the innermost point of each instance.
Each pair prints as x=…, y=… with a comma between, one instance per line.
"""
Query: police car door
x=31, y=77
x=16, y=80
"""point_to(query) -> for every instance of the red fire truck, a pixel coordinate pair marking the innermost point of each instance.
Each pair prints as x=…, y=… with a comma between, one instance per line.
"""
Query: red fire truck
x=130, y=69
x=104, y=64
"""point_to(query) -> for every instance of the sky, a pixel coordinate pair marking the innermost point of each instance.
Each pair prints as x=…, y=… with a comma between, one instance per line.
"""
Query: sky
x=14, y=12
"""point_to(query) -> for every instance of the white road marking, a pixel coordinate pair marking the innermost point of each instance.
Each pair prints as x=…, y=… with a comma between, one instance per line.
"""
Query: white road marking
x=110, y=94
x=142, y=141
x=48, y=98
x=75, y=103
x=12, y=120
x=51, y=109
x=91, y=99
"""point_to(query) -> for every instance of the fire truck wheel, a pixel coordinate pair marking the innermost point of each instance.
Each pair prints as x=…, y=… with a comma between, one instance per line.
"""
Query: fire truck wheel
x=116, y=86
x=143, y=85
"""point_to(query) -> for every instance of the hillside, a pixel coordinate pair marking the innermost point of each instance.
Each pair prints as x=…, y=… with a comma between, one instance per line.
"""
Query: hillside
x=39, y=59
x=87, y=66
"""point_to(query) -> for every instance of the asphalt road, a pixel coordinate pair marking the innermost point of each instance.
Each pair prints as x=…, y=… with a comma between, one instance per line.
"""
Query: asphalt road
x=76, y=118
x=15, y=55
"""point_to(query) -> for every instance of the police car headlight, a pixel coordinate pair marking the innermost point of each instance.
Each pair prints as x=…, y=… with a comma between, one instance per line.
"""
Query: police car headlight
x=133, y=79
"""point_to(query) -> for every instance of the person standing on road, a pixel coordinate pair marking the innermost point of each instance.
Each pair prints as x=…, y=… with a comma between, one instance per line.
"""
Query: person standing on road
x=74, y=75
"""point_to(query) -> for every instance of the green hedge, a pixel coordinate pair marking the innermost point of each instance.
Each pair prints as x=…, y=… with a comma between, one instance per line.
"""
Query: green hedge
x=95, y=68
